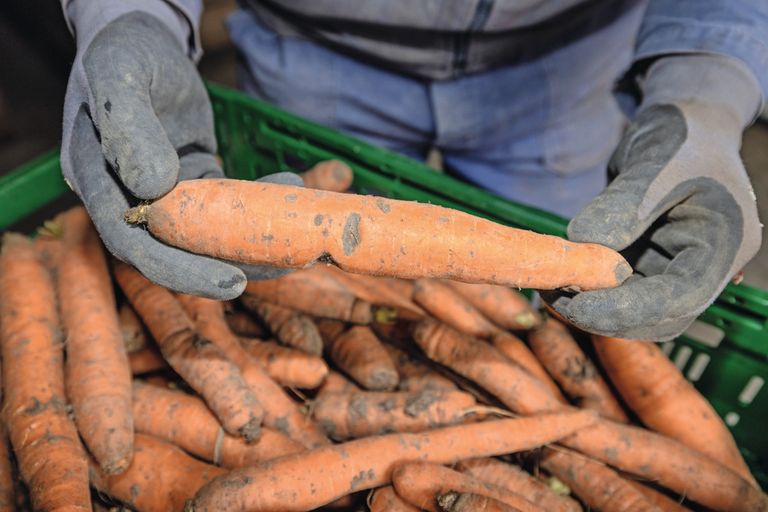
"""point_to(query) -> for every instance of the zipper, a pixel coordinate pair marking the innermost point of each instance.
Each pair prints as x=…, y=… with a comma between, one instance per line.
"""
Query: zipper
x=461, y=41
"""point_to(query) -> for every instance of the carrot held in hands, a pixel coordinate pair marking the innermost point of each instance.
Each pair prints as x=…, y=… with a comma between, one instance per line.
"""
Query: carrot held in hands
x=293, y=227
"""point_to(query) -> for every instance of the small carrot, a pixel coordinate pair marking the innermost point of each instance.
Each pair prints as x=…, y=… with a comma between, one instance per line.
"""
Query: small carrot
x=310, y=479
x=450, y=308
x=336, y=383
x=243, y=324
x=161, y=477
x=48, y=452
x=291, y=328
x=505, y=307
x=367, y=413
x=385, y=499
x=146, y=360
x=665, y=401
x=134, y=334
x=333, y=175
x=288, y=367
x=421, y=484
x=662, y=501
x=573, y=370
x=198, y=361
x=414, y=374
x=294, y=227
x=361, y=355
x=469, y=502
x=185, y=421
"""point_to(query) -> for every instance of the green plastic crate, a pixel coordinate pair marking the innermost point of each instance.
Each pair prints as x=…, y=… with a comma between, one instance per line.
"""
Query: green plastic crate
x=725, y=354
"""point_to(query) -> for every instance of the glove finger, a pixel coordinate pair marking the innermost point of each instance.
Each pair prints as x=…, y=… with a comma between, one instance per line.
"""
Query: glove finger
x=106, y=203
x=198, y=165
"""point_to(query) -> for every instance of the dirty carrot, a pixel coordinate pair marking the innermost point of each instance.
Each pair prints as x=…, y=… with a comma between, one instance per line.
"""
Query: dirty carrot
x=7, y=477
x=359, y=353
x=385, y=499
x=294, y=227
x=48, y=452
x=97, y=375
x=450, y=308
x=564, y=359
x=146, y=360
x=184, y=420
x=243, y=324
x=665, y=401
x=662, y=501
x=291, y=328
x=505, y=307
x=469, y=502
x=332, y=175
x=288, y=367
x=414, y=374
x=336, y=383
x=160, y=478
x=198, y=361
x=134, y=335
x=310, y=479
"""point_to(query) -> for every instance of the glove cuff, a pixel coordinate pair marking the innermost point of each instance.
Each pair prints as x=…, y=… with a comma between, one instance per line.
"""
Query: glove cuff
x=712, y=80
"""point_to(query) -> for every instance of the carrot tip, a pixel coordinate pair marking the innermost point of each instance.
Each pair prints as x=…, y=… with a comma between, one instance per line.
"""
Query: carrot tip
x=137, y=215
x=527, y=320
x=251, y=431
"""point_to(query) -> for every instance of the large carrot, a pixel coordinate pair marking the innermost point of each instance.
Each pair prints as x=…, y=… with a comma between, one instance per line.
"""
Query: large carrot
x=134, y=334
x=198, y=361
x=450, y=308
x=333, y=175
x=414, y=374
x=185, y=421
x=293, y=227
x=469, y=502
x=361, y=355
x=97, y=375
x=514, y=479
x=310, y=479
x=291, y=368
x=161, y=477
x=421, y=484
x=597, y=485
x=665, y=401
x=505, y=307
x=367, y=413
x=484, y=365
x=290, y=327
x=385, y=499
x=573, y=370
x=50, y=458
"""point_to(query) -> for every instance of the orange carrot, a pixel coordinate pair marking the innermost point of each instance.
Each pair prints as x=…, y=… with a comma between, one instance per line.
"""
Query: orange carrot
x=573, y=370
x=665, y=401
x=97, y=375
x=333, y=175
x=505, y=307
x=361, y=355
x=450, y=308
x=310, y=479
x=421, y=483
x=336, y=383
x=290, y=327
x=366, y=413
x=50, y=458
x=662, y=501
x=414, y=374
x=185, y=421
x=198, y=361
x=7, y=477
x=294, y=227
x=386, y=500
x=146, y=360
x=514, y=479
x=134, y=334
x=243, y=324
x=597, y=485
x=469, y=502
x=484, y=365
x=161, y=477
x=291, y=368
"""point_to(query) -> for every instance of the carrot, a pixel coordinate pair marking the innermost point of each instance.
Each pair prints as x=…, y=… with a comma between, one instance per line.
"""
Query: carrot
x=198, y=361
x=361, y=355
x=291, y=368
x=573, y=370
x=597, y=485
x=516, y=350
x=505, y=307
x=7, y=477
x=160, y=479
x=333, y=175
x=514, y=479
x=421, y=484
x=310, y=479
x=468, y=502
x=336, y=383
x=294, y=227
x=134, y=334
x=414, y=374
x=146, y=360
x=185, y=421
x=97, y=375
x=669, y=463
x=665, y=401
x=366, y=413
x=385, y=499
x=209, y=319
x=48, y=452
x=450, y=308
x=291, y=328
x=486, y=366
x=662, y=501
x=243, y=324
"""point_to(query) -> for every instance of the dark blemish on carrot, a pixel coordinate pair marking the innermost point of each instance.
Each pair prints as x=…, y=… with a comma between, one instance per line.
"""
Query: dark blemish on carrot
x=318, y=219
x=420, y=403
x=135, y=491
x=442, y=219
x=382, y=205
x=351, y=236
x=267, y=238
x=325, y=233
x=291, y=215
x=357, y=480
x=291, y=198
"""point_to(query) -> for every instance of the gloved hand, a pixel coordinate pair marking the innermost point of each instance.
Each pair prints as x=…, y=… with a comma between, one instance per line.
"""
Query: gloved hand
x=681, y=207
x=137, y=119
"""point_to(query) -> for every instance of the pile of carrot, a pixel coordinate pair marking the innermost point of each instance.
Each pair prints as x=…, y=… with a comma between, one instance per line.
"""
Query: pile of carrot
x=338, y=390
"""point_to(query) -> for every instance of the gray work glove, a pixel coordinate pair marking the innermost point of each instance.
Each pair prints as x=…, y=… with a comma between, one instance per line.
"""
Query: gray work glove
x=681, y=207
x=137, y=120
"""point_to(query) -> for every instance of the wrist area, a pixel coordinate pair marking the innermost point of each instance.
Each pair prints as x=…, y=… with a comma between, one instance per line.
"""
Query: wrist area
x=712, y=82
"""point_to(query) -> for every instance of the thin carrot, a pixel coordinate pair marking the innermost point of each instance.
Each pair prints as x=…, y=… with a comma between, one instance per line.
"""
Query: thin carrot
x=308, y=480
x=333, y=175
x=422, y=483
x=146, y=360
x=469, y=502
x=662, y=501
x=97, y=375
x=573, y=370
x=185, y=421
x=198, y=361
x=450, y=308
x=486, y=366
x=294, y=227
x=505, y=307
x=243, y=324
x=288, y=367
x=414, y=374
x=134, y=334
x=50, y=458
x=291, y=328
x=516, y=350
x=665, y=401
x=161, y=477
x=385, y=499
